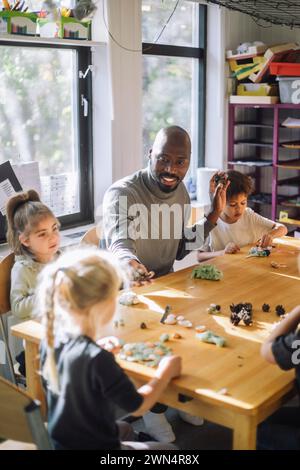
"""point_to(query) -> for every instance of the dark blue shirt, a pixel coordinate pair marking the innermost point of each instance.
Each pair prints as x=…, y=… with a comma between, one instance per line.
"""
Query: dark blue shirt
x=286, y=351
x=92, y=384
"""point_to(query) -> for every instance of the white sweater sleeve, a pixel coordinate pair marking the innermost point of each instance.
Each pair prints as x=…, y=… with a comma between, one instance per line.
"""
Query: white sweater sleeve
x=22, y=297
x=260, y=225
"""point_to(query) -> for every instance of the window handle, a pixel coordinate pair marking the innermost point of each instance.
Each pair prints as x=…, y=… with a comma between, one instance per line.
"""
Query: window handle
x=85, y=104
x=84, y=74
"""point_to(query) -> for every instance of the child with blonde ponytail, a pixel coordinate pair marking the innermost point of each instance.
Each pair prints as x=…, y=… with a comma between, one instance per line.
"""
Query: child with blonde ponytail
x=77, y=300
x=33, y=236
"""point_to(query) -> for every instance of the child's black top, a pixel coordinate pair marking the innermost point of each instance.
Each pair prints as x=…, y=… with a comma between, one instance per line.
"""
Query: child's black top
x=92, y=384
x=286, y=351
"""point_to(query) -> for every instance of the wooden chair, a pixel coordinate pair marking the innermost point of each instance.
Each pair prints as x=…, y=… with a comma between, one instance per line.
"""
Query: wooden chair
x=6, y=265
x=20, y=420
x=92, y=236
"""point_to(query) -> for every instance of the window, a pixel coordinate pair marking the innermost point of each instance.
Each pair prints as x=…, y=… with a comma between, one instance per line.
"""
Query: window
x=45, y=110
x=173, y=71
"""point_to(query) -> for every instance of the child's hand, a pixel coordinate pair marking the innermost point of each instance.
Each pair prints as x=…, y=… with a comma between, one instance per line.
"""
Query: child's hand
x=231, y=248
x=266, y=240
x=295, y=312
x=169, y=367
x=110, y=344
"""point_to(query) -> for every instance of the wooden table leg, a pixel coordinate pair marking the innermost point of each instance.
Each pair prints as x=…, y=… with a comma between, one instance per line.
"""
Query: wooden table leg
x=33, y=379
x=244, y=433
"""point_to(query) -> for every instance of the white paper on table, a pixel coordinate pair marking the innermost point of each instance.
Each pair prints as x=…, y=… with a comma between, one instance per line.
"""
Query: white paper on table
x=6, y=191
x=29, y=175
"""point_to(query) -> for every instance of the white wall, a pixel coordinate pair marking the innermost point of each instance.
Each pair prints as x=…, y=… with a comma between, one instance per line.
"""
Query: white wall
x=117, y=93
x=225, y=30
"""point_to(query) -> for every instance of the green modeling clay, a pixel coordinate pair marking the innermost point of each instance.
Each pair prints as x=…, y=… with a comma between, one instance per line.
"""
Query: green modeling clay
x=207, y=271
x=210, y=337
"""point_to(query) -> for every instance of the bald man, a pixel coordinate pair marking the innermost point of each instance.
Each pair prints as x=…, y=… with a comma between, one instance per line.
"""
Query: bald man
x=145, y=223
x=146, y=214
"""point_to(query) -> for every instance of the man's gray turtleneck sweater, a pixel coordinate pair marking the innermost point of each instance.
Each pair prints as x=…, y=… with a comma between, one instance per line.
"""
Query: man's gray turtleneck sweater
x=133, y=232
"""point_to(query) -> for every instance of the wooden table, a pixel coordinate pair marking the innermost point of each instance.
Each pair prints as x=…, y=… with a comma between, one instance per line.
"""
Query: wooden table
x=255, y=389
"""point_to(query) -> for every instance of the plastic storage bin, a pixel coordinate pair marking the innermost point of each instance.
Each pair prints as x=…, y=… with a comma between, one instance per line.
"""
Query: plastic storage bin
x=285, y=68
x=289, y=89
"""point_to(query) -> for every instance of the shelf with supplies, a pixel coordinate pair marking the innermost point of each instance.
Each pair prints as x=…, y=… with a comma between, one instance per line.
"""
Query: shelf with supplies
x=288, y=221
x=266, y=139
x=251, y=162
x=16, y=38
x=254, y=143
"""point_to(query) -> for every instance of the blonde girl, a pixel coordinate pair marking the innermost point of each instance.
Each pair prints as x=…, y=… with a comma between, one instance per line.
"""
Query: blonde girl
x=77, y=300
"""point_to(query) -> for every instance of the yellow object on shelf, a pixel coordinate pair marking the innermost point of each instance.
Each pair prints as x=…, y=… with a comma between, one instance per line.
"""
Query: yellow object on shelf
x=290, y=221
x=243, y=70
x=283, y=215
x=257, y=89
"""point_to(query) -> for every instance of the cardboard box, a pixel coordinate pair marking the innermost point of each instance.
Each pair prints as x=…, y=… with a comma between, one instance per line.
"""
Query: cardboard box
x=275, y=53
x=253, y=99
x=257, y=89
x=16, y=22
x=65, y=27
x=251, y=52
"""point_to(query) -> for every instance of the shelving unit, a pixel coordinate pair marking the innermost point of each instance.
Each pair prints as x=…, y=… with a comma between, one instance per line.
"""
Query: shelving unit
x=256, y=141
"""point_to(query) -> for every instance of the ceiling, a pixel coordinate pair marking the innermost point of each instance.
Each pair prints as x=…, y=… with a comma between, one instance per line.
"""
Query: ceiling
x=277, y=12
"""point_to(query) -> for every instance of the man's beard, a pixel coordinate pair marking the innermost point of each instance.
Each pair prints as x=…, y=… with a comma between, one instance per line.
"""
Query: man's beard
x=165, y=188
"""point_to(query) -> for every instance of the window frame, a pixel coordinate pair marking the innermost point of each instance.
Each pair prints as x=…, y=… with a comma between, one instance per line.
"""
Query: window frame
x=85, y=137
x=193, y=53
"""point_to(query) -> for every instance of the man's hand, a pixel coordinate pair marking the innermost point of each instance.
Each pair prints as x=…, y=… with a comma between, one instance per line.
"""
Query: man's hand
x=140, y=274
x=231, y=248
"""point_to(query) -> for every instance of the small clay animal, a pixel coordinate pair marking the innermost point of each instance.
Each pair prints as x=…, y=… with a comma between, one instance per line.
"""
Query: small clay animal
x=211, y=337
x=241, y=311
x=265, y=307
x=280, y=310
x=176, y=336
x=259, y=252
x=207, y=271
x=166, y=314
x=128, y=298
x=214, y=308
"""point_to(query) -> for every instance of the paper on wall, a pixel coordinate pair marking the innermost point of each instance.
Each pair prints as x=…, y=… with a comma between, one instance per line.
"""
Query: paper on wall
x=29, y=175
x=6, y=191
